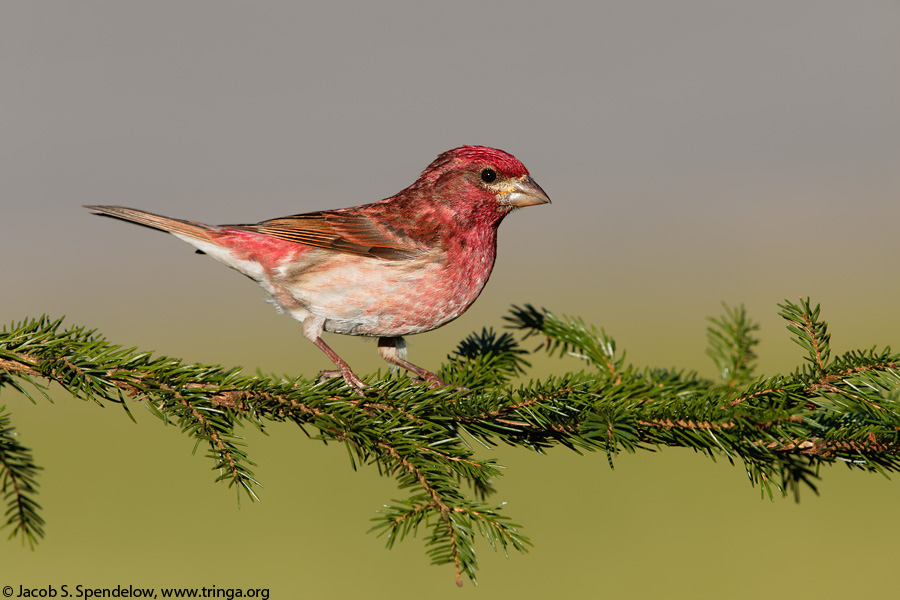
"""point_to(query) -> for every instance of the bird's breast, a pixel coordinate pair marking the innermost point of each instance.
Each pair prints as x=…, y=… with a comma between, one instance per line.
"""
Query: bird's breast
x=359, y=295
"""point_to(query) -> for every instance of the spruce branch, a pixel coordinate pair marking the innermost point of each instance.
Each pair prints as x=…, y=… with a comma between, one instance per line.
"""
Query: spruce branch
x=811, y=333
x=568, y=335
x=730, y=342
x=782, y=428
x=18, y=483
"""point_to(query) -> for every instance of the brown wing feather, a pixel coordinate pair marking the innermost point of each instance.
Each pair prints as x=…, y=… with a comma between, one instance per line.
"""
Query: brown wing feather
x=341, y=231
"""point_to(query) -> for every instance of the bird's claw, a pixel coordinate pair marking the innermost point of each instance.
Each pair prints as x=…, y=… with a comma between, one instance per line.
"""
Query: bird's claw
x=352, y=380
x=349, y=377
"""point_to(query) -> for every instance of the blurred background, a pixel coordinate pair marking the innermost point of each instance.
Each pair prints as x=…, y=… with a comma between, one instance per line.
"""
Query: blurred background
x=696, y=152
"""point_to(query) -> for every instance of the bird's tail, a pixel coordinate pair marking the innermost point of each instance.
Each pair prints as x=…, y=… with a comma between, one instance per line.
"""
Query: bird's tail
x=180, y=227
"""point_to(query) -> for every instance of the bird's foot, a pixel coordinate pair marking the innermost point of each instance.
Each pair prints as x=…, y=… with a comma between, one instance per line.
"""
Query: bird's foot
x=433, y=380
x=349, y=377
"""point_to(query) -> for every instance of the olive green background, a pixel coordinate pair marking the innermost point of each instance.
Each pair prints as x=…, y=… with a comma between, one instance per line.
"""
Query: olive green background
x=696, y=152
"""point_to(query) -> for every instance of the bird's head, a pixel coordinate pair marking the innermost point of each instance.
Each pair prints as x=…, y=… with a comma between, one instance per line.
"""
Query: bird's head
x=481, y=183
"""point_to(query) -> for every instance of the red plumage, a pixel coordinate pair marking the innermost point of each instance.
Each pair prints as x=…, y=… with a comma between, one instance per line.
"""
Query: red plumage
x=402, y=265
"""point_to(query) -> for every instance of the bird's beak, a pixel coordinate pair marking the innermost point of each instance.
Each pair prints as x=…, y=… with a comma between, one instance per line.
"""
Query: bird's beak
x=525, y=192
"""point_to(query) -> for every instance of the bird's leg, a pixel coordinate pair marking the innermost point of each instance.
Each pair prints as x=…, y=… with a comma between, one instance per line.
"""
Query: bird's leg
x=312, y=330
x=389, y=348
x=343, y=369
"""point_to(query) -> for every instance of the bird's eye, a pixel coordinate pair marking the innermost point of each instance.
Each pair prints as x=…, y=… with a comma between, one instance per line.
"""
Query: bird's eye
x=488, y=175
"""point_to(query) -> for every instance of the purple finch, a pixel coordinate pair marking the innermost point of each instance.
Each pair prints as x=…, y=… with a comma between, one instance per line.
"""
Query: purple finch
x=406, y=264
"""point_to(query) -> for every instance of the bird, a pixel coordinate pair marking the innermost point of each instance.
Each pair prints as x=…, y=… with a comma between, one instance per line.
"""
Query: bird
x=406, y=264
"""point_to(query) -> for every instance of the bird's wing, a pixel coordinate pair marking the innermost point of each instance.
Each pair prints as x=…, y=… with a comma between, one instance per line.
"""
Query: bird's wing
x=341, y=231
